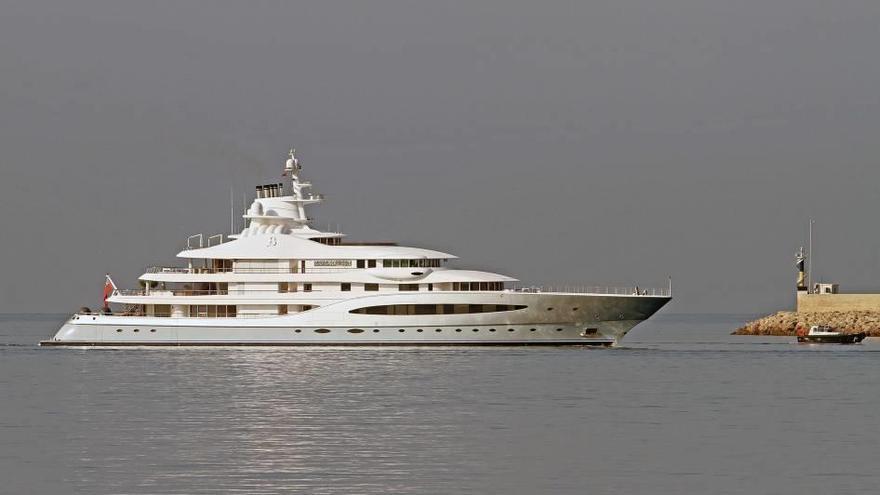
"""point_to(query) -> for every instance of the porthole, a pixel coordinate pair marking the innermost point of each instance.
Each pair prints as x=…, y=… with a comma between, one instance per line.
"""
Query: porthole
x=137, y=330
x=152, y=330
x=531, y=329
x=322, y=330
x=419, y=330
x=355, y=330
x=457, y=329
x=118, y=329
x=575, y=309
x=558, y=329
x=439, y=330
x=375, y=330
x=297, y=330
x=476, y=329
x=491, y=329
x=401, y=330
x=549, y=309
x=510, y=329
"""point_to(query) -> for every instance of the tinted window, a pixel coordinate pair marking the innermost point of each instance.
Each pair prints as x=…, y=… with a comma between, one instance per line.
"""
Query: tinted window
x=436, y=309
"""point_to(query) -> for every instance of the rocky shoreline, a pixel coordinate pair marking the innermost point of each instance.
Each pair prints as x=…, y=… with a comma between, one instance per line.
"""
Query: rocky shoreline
x=785, y=322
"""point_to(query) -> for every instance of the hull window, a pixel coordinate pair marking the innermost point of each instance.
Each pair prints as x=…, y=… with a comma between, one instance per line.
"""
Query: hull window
x=322, y=330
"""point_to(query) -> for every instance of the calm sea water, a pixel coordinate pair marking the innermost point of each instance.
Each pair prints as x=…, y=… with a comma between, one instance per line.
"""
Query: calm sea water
x=681, y=407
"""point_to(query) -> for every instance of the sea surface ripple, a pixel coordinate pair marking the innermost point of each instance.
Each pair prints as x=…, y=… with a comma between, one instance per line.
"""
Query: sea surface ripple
x=680, y=407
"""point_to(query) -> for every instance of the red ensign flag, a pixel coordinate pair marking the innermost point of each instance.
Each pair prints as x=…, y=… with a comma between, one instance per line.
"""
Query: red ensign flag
x=108, y=289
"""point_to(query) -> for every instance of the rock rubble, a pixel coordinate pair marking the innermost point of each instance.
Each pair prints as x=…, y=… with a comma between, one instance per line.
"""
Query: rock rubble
x=785, y=322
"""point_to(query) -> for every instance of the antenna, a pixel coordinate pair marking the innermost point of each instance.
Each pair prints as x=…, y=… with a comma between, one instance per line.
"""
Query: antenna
x=231, y=211
x=810, y=261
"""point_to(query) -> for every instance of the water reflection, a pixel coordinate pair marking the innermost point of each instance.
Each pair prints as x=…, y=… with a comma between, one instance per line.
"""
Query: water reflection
x=681, y=408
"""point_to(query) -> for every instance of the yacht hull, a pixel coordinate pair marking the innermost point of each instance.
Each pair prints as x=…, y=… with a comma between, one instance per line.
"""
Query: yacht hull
x=547, y=319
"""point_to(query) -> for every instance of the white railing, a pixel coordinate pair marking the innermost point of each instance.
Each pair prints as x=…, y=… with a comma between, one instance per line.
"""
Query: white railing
x=168, y=269
x=249, y=271
x=140, y=313
x=208, y=292
x=616, y=291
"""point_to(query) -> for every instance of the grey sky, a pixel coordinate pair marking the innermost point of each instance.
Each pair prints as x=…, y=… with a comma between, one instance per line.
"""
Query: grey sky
x=580, y=142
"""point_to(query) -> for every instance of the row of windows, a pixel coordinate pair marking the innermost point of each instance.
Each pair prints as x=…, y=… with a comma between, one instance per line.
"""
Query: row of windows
x=346, y=287
x=419, y=263
x=330, y=241
x=284, y=287
x=203, y=311
x=477, y=285
x=422, y=263
x=588, y=331
x=435, y=309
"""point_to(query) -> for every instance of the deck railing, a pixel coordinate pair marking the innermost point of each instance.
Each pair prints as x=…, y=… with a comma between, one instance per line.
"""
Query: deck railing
x=122, y=313
x=616, y=291
x=249, y=271
x=207, y=292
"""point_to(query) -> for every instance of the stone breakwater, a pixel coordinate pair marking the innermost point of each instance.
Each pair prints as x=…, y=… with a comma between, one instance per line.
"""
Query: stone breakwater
x=785, y=322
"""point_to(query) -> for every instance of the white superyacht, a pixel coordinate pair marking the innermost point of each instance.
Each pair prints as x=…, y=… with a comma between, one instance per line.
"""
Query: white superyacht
x=280, y=282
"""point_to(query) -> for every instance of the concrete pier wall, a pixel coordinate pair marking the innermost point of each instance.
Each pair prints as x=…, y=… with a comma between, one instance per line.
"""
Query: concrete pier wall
x=824, y=303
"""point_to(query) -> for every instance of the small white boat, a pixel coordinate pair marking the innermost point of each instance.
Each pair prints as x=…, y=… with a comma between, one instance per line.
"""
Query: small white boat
x=824, y=334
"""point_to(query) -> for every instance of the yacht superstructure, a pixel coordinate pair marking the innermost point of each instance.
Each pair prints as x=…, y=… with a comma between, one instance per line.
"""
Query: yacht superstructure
x=282, y=282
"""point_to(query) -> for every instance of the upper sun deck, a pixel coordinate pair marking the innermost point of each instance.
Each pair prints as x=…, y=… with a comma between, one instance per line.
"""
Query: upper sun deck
x=288, y=246
x=278, y=228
